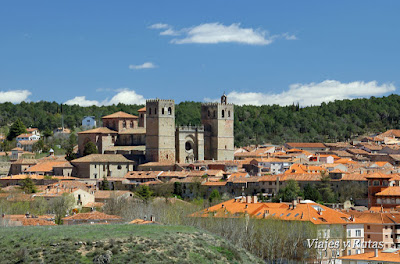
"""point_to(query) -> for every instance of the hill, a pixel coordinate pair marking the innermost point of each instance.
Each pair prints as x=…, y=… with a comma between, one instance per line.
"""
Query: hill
x=330, y=122
x=118, y=244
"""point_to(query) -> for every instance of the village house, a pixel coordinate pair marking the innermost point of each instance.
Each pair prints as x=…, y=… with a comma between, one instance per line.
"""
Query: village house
x=98, y=166
x=391, y=255
x=94, y=217
x=89, y=122
x=27, y=137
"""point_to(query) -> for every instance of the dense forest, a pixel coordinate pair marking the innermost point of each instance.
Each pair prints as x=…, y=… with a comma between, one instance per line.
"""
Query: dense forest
x=334, y=121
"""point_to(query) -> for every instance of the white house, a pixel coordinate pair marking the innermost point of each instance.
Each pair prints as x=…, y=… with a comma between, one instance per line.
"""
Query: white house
x=27, y=137
x=88, y=122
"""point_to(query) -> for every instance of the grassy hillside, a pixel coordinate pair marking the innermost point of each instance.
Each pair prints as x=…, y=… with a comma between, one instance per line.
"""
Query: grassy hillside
x=117, y=244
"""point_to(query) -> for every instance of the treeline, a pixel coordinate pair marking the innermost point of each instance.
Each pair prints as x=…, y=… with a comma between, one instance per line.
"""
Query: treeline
x=330, y=122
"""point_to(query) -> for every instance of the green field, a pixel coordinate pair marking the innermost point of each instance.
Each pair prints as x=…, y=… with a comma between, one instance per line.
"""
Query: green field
x=117, y=244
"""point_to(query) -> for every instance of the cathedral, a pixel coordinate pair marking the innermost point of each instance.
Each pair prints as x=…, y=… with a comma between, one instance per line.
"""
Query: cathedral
x=152, y=136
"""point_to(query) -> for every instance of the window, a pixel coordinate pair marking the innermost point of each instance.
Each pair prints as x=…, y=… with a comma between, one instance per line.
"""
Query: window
x=155, y=111
x=349, y=233
x=215, y=113
x=119, y=167
x=349, y=252
x=162, y=110
x=368, y=236
x=358, y=232
x=131, y=124
x=223, y=113
x=376, y=183
x=208, y=113
x=149, y=111
x=229, y=113
x=124, y=124
x=368, y=227
x=169, y=111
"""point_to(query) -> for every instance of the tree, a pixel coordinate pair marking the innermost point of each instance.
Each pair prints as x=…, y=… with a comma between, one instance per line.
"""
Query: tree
x=16, y=129
x=104, y=184
x=288, y=193
x=28, y=186
x=69, y=153
x=325, y=189
x=311, y=193
x=144, y=192
x=89, y=148
x=61, y=205
x=47, y=133
x=214, y=196
x=38, y=146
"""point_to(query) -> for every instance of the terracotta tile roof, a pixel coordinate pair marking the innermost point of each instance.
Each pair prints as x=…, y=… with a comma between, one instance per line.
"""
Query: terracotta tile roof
x=103, y=158
x=390, y=191
x=26, y=161
x=119, y=114
x=304, y=211
x=305, y=145
x=354, y=177
x=46, y=166
x=387, y=256
x=99, y=130
x=31, y=221
x=94, y=204
x=27, y=142
x=378, y=175
x=95, y=215
x=218, y=183
x=18, y=149
x=390, y=133
x=357, y=151
x=383, y=163
x=143, y=174
x=143, y=109
x=32, y=129
x=141, y=222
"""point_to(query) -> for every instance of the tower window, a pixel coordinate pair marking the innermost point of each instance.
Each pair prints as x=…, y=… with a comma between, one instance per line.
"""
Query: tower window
x=223, y=113
x=131, y=124
x=169, y=111
x=208, y=113
x=229, y=113
x=149, y=111
x=162, y=110
x=124, y=124
x=215, y=113
x=155, y=111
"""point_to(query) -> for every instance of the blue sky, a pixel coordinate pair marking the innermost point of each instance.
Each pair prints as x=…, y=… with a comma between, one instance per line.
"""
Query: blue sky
x=258, y=52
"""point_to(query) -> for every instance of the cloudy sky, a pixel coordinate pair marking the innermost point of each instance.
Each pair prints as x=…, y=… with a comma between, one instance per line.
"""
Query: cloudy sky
x=257, y=52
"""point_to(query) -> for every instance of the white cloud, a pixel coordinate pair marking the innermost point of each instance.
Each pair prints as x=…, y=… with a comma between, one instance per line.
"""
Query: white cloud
x=14, y=96
x=146, y=65
x=81, y=101
x=213, y=33
x=312, y=93
x=159, y=26
x=124, y=96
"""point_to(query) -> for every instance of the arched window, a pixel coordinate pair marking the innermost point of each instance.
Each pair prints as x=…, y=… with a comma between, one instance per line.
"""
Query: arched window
x=229, y=113
x=208, y=113
x=169, y=111
x=167, y=156
x=149, y=111
x=131, y=124
x=162, y=110
x=215, y=113
x=124, y=124
x=155, y=111
x=223, y=113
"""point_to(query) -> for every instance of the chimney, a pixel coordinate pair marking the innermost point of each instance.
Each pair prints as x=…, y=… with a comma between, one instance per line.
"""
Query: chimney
x=246, y=206
x=222, y=205
x=294, y=204
x=376, y=253
x=255, y=199
x=319, y=211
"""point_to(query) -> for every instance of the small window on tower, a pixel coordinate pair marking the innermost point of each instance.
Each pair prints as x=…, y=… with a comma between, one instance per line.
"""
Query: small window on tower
x=124, y=124
x=149, y=111
x=162, y=110
x=223, y=113
x=155, y=111
x=215, y=113
x=131, y=124
x=229, y=113
x=208, y=113
x=169, y=111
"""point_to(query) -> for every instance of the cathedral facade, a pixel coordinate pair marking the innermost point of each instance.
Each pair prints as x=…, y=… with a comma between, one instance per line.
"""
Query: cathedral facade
x=153, y=136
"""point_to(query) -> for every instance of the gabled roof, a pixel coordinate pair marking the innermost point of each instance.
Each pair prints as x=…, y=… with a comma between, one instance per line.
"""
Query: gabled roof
x=120, y=114
x=390, y=191
x=92, y=216
x=103, y=158
x=143, y=109
x=99, y=130
x=305, y=145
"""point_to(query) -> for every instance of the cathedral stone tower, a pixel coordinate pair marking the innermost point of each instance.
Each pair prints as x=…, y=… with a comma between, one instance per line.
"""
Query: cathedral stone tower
x=217, y=119
x=160, y=130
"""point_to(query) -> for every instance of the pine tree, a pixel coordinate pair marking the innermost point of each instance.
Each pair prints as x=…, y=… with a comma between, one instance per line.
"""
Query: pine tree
x=16, y=129
x=28, y=186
